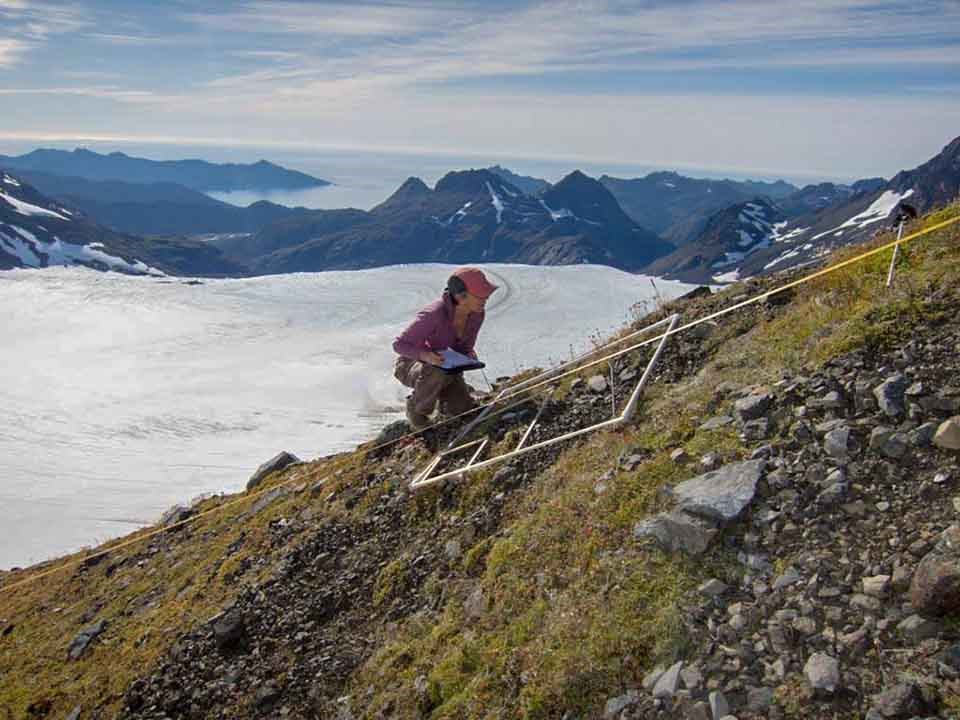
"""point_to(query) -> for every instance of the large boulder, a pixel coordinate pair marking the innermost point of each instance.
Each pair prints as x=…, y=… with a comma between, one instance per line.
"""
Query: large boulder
x=720, y=494
x=935, y=588
x=277, y=462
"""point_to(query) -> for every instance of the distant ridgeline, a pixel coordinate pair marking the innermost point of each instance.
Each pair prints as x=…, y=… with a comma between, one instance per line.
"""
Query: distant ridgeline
x=664, y=224
x=195, y=174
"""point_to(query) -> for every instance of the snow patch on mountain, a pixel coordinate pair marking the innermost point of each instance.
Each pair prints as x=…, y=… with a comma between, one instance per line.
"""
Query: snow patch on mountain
x=10, y=181
x=879, y=210
x=462, y=212
x=557, y=214
x=728, y=277
x=24, y=208
x=35, y=253
x=497, y=202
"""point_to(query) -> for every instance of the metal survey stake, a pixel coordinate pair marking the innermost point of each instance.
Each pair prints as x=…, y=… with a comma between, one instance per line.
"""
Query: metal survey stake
x=893, y=258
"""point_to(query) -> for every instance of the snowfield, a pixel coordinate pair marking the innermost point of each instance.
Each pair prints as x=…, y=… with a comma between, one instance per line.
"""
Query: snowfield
x=124, y=395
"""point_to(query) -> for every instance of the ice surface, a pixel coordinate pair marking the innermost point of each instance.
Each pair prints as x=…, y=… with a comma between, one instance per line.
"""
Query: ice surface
x=127, y=394
x=25, y=208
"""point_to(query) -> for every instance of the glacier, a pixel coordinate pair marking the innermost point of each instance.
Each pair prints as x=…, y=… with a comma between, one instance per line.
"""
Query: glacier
x=124, y=395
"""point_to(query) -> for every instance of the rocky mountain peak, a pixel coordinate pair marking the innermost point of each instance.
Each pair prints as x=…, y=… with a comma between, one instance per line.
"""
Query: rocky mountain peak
x=587, y=199
x=469, y=182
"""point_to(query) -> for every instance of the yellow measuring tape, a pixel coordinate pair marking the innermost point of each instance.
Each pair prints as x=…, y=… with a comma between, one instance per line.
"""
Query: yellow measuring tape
x=251, y=496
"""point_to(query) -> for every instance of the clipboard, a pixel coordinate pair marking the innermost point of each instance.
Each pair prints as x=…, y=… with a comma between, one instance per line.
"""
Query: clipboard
x=455, y=362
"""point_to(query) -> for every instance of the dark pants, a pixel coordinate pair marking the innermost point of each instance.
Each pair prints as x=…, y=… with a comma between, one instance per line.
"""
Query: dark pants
x=430, y=385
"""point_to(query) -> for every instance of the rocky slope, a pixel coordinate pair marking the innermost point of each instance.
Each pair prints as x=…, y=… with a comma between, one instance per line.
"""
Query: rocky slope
x=775, y=537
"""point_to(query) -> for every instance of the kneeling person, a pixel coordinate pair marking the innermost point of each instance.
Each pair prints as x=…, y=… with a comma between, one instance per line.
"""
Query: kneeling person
x=452, y=322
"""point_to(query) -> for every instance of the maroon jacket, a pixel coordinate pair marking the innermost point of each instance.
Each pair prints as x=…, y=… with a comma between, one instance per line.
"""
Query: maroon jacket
x=433, y=330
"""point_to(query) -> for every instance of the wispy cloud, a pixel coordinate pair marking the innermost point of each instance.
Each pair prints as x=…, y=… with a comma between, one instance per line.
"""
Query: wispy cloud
x=27, y=25
x=332, y=19
x=12, y=50
x=587, y=36
x=108, y=93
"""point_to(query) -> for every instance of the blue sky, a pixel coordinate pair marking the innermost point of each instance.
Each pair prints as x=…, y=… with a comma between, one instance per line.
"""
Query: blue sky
x=838, y=88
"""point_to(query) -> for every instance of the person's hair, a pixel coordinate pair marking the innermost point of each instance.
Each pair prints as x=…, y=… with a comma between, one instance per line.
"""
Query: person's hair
x=455, y=286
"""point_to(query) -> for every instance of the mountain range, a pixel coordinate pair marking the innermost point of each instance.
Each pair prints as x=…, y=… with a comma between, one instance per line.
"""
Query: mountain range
x=156, y=208
x=692, y=230
x=196, y=174
x=469, y=216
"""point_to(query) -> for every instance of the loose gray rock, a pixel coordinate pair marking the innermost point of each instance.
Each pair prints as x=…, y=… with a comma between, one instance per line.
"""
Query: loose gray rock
x=715, y=423
x=901, y=701
x=889, y=395
x=669, y=682
x=948, y=434
x=836, y=442
x=597, y=383
x=877, y=586
x=752, y=406
x=617, y=704
x=277, y=462
x=267, y=498
x=230, y=633
x=75, y=713
x=679, y=456
x=650, y=679
x=923, y=435
x=759, y=699
x=719, y=707
x=720, y=494
x=81, y=643
x=917, y=629
x=678, y=532
x=176, y=514
x=713, y=587
x=822, y=672
x=476, y=604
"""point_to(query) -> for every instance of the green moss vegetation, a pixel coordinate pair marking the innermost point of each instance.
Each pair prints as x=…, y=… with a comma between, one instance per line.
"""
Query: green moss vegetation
x=557, y=610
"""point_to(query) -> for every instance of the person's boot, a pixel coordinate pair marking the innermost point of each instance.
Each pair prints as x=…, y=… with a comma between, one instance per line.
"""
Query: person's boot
x=417, y=420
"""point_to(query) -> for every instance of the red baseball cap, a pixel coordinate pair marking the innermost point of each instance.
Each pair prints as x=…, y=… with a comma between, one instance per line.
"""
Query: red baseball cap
x=476, y=282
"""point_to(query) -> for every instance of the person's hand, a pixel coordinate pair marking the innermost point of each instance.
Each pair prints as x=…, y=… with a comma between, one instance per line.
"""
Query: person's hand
x=431, y=358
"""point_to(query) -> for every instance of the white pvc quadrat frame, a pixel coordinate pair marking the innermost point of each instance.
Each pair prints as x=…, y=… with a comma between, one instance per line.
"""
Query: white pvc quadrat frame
x=424, y=479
